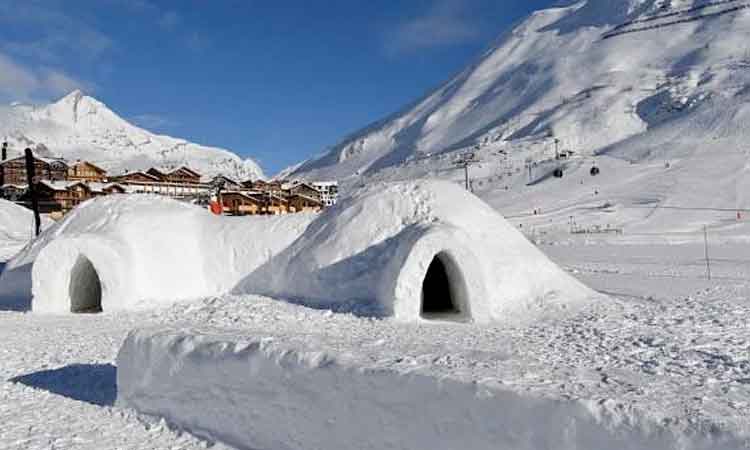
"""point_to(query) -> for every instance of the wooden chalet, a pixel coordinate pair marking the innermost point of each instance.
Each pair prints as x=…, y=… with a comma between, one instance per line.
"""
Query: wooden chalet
x=272, y=187
x=300, y=203
x=12, y=192
x=149, y=183
x=305, y=190
x=136, y=177
x=62, y=196
x=86, y=171
x=13, y=171
x=227, y=183
x=242, y=203
x=180, y=175
x=254, y=203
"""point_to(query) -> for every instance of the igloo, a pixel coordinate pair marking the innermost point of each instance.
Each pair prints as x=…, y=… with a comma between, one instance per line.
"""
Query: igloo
x=140, y=251
x=422, y=250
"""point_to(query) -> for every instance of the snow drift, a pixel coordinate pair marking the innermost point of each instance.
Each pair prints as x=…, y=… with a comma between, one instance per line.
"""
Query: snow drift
x=409, y=250
x=416, y=250
x=255, y=392
x=130, y=252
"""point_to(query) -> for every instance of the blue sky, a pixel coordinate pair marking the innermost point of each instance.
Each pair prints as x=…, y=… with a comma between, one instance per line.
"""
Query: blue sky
x=278, y=81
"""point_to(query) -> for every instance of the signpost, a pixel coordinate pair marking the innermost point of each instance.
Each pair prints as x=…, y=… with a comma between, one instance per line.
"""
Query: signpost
x=32, y=181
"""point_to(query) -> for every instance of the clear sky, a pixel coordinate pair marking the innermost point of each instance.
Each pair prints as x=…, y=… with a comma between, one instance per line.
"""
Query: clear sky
x=276, y=80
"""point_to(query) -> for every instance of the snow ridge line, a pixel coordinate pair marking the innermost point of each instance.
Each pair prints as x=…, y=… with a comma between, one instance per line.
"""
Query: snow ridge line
x=673, y=14
x=676, y=22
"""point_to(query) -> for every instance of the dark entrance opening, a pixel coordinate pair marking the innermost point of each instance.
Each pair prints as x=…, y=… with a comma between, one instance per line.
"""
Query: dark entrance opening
x=85, y=288
x=438, y=295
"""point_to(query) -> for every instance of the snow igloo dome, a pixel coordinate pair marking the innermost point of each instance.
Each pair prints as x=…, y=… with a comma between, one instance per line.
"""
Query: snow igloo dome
x=417, y=250
x=126, y=252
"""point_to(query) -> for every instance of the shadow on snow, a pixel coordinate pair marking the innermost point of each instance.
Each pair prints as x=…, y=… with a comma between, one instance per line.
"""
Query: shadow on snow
x=90, y=383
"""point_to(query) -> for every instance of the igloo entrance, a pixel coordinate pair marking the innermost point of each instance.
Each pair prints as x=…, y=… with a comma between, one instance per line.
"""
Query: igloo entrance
x=85, y=288
x=442, y=291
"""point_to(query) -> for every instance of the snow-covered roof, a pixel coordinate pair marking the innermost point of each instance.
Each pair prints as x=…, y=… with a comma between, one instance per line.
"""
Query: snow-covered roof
x=38, y=158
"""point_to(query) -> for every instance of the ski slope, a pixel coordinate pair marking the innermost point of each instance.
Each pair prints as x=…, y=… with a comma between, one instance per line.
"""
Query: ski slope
x=653, y=93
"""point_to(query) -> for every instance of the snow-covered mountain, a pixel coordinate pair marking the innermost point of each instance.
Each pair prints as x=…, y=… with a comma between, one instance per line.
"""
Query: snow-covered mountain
x=81, y=127
x=639, y=81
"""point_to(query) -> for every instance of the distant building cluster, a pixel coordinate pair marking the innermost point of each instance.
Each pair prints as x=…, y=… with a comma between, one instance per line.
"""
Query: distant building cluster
x=275, y=197
x=60, y=186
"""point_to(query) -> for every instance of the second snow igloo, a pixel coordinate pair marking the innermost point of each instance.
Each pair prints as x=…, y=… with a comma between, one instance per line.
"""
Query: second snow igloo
x=417, y=250
x=127, y=252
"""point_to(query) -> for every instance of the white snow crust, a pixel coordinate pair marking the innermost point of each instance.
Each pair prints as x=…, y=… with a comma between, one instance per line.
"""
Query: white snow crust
x=625, y=374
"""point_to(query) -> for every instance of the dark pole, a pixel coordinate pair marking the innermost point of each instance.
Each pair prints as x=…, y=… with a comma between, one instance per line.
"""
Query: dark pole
x=2, y=169
x=30, y=178
x=466, y=174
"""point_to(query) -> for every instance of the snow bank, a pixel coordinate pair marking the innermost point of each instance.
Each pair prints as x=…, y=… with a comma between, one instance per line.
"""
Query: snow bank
x=256, y=393
x=414, y=250
x=130, y=252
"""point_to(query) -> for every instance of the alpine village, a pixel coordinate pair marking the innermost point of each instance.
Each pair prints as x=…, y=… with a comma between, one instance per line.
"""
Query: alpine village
x=55, y=186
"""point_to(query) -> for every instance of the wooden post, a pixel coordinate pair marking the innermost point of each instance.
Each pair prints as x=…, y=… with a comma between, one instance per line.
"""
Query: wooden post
x=2, y=169
x=31, y=180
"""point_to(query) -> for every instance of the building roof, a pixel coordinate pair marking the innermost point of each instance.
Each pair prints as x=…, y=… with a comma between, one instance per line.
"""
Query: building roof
x=169, y=171
x=38, y=158
x=147, y=175
x=61, y=185
x=79, y=162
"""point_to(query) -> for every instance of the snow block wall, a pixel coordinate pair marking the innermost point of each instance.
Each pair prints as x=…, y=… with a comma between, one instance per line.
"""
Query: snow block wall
x=417, y=250
x=132, y=252
x=255, y=393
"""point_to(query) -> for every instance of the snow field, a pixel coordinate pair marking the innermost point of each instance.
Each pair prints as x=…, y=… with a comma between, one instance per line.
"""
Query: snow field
x=667, y=356
x=635, y=373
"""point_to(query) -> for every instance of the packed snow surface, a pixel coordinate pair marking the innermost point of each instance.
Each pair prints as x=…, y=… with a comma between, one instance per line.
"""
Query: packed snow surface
x=668, y=352
x=627, y=373
x=81, y=127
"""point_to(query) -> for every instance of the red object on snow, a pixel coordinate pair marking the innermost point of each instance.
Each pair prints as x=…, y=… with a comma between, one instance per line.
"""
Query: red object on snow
x=216, y=208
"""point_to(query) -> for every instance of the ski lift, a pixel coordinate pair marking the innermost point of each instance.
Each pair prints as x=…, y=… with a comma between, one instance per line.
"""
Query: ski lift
x=594, y=171
x=558, y=173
